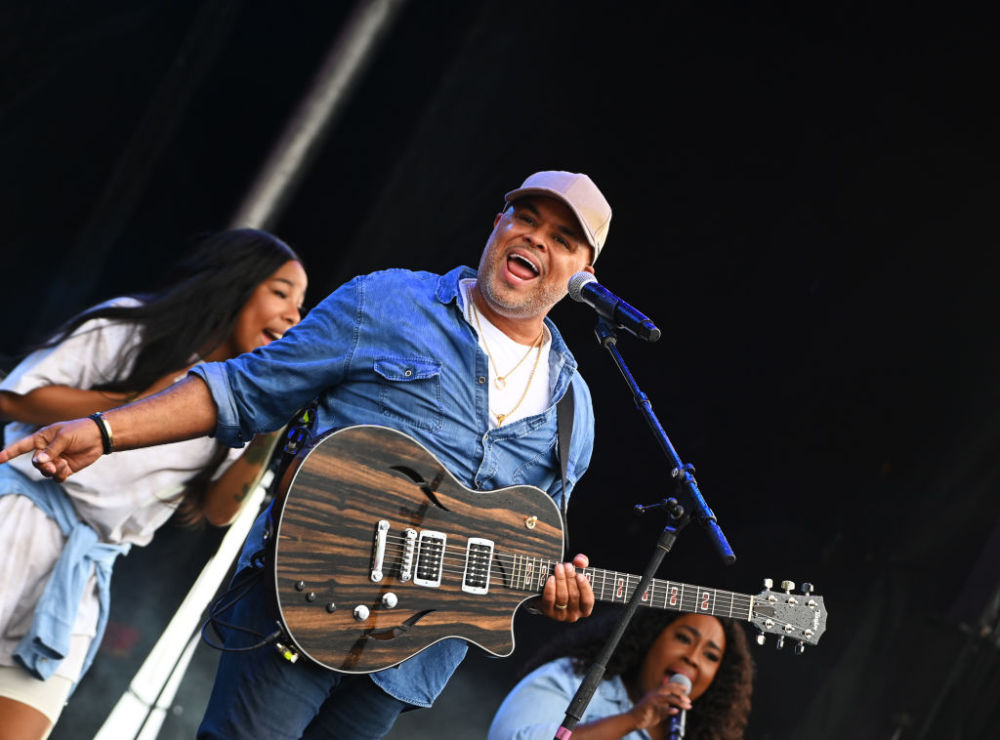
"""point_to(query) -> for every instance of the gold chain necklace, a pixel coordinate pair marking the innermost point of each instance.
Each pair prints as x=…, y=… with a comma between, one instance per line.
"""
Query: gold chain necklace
x=536, y=344
x=501, y=380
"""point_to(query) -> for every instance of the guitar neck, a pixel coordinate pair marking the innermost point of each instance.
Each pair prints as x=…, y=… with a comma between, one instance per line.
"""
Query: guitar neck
x=530, y=574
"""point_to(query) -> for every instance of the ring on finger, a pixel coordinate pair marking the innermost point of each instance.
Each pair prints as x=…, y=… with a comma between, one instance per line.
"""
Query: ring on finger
x=560, y=606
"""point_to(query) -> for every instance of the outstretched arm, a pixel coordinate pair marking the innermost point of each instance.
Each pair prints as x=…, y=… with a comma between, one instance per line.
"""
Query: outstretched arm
x=52, y=403
x=48, y=404
x=184, y=411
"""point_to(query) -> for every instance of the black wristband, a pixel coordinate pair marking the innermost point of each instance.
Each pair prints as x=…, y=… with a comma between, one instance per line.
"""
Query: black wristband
x=105, y=428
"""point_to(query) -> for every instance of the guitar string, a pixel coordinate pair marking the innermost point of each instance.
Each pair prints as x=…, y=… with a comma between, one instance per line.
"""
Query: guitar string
x=455, y=565
x=454, y=562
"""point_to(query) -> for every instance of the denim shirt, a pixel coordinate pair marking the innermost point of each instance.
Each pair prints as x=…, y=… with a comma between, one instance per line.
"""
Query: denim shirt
x=536, y=707
x=47, y=642
x=394, y=348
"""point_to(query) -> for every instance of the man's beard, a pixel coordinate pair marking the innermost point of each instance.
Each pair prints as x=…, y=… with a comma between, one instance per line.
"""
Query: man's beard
x=538, y=301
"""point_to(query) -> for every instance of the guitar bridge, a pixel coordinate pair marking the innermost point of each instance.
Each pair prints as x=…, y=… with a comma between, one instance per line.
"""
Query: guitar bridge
x=478, y=560
x=430, y=558
x=409, y=547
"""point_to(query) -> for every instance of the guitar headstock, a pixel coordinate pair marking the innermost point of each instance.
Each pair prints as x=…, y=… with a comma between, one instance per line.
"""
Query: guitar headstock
x=797, y=616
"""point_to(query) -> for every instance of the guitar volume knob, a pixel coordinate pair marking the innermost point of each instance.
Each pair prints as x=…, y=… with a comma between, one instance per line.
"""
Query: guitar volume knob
x=389, y=600
x=361, y=612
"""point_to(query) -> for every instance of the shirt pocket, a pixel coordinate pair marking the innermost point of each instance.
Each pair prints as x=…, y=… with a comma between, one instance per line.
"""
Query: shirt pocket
x=410, y=391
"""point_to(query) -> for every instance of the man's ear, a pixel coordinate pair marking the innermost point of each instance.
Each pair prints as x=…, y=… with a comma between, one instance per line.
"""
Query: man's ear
x=588, y=268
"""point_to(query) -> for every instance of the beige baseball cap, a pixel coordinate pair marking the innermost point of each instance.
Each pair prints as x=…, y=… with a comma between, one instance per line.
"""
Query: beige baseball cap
x=578, y=192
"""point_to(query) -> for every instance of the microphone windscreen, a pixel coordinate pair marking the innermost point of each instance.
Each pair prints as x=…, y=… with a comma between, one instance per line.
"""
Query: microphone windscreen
x=577, y=282
x=683, y=681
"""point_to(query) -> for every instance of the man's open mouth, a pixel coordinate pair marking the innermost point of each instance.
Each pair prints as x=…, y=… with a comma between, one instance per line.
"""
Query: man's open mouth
x=521, y=267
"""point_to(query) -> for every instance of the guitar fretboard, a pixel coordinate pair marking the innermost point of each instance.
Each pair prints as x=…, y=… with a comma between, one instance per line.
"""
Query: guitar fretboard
x=525, y=573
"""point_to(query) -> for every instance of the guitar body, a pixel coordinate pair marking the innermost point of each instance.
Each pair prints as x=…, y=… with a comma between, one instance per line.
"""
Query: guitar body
x=380, y=553
x=364, y=511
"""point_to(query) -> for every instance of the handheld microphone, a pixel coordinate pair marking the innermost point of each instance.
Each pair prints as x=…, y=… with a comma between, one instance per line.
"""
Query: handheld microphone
x=675, y=730
x=583, y=287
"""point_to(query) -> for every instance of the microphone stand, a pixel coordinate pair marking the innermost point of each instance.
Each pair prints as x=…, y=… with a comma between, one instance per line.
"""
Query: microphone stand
x=680, y=511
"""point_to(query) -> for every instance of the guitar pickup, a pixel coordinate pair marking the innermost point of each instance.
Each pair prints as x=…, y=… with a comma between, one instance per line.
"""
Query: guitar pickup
x=409, y=548
x=478, y=561
x=430, y=558
x=378, y=550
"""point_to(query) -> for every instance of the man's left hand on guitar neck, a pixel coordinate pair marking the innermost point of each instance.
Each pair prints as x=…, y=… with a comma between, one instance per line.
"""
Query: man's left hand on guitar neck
x=567, y=595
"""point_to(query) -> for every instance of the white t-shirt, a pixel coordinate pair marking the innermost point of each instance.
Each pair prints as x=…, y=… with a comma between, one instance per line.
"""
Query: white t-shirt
x=533, y=370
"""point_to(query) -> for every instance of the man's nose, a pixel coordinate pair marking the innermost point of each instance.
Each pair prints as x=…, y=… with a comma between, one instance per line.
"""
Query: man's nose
x=537, y=238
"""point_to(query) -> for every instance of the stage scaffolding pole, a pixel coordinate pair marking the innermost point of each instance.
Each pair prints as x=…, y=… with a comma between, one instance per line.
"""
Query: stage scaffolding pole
x=288, y=161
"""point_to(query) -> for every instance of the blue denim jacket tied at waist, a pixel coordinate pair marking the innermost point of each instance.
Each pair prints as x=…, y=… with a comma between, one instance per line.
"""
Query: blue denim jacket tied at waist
x=47, y=642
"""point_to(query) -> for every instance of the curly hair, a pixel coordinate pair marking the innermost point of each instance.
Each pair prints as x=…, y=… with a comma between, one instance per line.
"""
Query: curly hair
x=723, y=710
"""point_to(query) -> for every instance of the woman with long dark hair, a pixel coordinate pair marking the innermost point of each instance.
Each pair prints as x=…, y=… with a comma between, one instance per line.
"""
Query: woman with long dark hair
x=238, y=290
x=636, y=696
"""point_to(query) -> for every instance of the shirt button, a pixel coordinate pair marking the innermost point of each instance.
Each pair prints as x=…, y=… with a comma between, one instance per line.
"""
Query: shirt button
x=481, y=380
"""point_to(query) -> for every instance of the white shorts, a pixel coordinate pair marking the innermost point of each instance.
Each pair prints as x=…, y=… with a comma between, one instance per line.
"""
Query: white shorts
x=48, y=697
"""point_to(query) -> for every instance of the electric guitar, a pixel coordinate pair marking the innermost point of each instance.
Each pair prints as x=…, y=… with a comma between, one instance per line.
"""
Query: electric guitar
x=380, y=552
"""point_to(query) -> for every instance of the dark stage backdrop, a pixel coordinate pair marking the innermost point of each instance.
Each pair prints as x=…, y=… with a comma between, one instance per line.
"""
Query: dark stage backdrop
x=804, y=200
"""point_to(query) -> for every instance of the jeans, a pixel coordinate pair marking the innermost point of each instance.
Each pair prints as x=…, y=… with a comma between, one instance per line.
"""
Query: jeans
x=258, y=694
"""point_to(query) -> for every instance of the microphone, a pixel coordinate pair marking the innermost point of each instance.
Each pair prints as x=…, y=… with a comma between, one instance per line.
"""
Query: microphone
x=675, y=730
x=583, y=287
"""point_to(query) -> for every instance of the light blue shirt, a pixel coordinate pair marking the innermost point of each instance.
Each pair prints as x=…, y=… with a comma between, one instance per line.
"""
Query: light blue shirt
x=47, y=642
x=536, y=707
x=394, y=348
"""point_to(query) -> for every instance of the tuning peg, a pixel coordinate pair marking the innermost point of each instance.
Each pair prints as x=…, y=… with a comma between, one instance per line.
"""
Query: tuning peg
x=806, y=588
x=781, y=642
x=800, y=648
x=788, y=585
x=768, y=584
x=761, y=638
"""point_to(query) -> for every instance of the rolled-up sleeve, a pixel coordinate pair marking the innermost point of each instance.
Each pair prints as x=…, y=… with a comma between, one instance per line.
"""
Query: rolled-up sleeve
x=227, y=428
x=261, y=390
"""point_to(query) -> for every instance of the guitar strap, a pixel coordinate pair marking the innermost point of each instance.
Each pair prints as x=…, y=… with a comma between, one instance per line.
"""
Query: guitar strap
x=564, y=429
